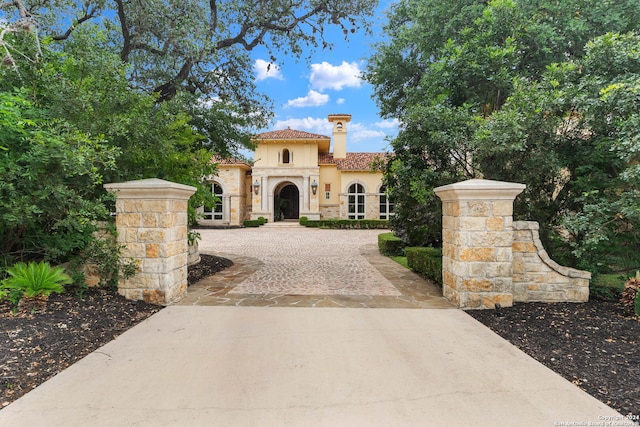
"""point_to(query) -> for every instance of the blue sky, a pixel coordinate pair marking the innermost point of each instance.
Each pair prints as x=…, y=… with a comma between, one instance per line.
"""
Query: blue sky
x=304, y=93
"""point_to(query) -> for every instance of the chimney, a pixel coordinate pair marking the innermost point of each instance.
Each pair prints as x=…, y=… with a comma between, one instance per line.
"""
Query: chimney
x=339, y=134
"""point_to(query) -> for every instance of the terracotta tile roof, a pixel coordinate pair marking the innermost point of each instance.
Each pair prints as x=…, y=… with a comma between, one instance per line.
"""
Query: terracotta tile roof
x=229, y=161
x=353, y=161
x=289, y=134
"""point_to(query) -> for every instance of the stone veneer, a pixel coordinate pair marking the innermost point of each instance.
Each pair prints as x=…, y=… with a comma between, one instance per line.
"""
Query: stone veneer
x=536, y=277
x=151, y=219
x=486, y=261
x=477, y=234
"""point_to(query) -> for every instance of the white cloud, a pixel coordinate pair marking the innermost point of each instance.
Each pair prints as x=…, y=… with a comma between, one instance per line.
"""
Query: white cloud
x=340, y=101
x=359, y=132
x=360, y=136
x=310, y=124
x=313, y=99
x=265, y=70
x=327, y=76
x=388, y=124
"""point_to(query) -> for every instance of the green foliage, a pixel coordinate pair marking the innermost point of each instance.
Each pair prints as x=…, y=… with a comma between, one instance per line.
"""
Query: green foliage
x=543, y=93
x=124, y=91
x=255, y=222
x=390, y=245
x=77, y=125
x=14, y=297
x=49, y=172
x=426, y=262
x=104, y=252
x=192, y=237
x=345, y=223
x=603, y=293
x=36, y=279
x=402, y=260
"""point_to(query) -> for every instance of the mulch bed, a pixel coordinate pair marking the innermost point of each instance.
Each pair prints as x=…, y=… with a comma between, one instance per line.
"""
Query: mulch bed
x=594, y=345
x=34, y=348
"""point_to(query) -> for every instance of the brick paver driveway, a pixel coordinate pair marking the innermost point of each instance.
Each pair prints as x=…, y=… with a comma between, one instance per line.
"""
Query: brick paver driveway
x=297, y=266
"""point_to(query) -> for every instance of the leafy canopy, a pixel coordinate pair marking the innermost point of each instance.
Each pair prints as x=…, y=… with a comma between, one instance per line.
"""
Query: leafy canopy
x=539, y=92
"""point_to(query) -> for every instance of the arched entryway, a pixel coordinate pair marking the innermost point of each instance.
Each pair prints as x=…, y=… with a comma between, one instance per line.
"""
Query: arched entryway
x=286, y=202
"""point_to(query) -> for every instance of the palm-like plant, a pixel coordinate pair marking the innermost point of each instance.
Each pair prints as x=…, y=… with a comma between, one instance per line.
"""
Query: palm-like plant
x=36, y=281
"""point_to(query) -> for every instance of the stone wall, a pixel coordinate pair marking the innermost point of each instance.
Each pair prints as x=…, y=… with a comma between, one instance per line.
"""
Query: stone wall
x=151, y=218
x=476, y=242
x=536, y=277
x=193, y=254
x=487, y=260
x=329, y=211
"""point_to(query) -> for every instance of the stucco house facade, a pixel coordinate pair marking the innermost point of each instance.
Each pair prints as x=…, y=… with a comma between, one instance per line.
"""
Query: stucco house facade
x=295, y=174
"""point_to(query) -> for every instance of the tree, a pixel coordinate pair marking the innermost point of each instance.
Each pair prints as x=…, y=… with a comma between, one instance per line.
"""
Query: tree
x=114, y=91
x=49, y=172
x=199, y=47
x=503, y=94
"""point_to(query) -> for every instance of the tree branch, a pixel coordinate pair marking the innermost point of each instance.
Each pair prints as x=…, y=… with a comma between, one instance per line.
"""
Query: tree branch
x=22, y=10
x=169, y=89
x=213, y=22
x=88, y=14
x=126, y=35
x=264, y=27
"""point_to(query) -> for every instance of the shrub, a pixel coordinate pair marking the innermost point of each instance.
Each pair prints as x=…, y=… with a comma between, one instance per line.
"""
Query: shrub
x=345, y=223
x=252, y=223
x=426, y=261
x=390, y=245
x=34, y=282
x=262, y=220
x=106, y=254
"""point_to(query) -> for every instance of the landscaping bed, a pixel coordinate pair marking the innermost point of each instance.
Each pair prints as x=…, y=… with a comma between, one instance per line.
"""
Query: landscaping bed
x=35, y=348
x=594, y=345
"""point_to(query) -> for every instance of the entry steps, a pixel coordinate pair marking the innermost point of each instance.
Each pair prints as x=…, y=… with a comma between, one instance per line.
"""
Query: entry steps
x=282, y=224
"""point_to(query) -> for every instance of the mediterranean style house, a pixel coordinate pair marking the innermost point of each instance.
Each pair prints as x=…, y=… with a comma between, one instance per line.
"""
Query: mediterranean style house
x=295, y=174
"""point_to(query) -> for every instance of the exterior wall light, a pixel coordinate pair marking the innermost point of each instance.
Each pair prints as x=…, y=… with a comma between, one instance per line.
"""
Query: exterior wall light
x=314, y=187
x=256, y=187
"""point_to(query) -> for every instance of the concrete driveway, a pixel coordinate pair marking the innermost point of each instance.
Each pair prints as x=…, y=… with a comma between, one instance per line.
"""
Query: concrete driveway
x=195, y=365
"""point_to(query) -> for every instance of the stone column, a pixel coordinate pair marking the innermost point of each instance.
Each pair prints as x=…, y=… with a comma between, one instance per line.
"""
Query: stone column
x=477, y=237
x=265, y=194
x=226, y=209
x=152, y=225
x=306, y=191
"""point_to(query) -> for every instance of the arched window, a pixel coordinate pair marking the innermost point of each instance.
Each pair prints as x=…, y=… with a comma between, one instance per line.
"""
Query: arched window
x=286, y=156
x=355, y=197
x=215, y=212
x=386, y=205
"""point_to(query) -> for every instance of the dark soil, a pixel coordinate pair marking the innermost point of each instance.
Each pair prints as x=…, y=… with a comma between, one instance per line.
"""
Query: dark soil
x=595, y=345
x=35, y=347
x=208, y=266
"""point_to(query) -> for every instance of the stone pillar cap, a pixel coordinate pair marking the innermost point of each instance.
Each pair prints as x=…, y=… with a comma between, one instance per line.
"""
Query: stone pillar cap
x=480, y=189
x=152, y=188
